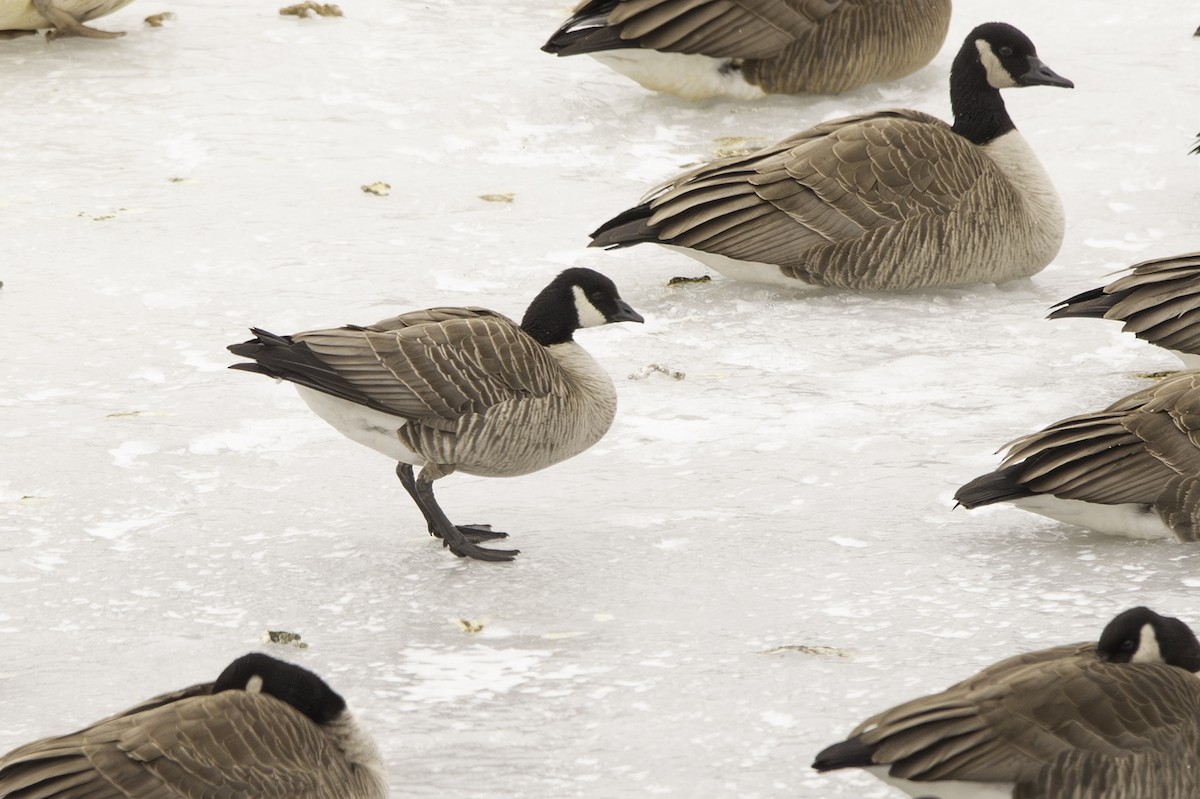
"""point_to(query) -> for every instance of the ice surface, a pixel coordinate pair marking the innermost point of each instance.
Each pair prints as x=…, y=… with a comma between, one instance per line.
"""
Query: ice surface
x=163, y=192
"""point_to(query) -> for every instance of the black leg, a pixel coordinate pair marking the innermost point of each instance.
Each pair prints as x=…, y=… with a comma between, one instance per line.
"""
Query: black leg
x=461, y=540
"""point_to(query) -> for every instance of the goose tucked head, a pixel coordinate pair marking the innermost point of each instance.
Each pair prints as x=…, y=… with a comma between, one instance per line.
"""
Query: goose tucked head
x=1139, y=635
x=577, y=298
x=287, y=682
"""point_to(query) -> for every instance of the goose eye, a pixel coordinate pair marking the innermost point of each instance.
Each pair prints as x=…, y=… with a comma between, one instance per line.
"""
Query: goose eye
x=1128, y=646
x=1005, y=50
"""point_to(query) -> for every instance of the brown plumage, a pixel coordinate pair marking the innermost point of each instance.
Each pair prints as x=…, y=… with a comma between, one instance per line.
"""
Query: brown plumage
x=1131, y=469
x=1069, y=722
x=460, y=389
x=891, y=200
x=233, y=738
x=1158, y=301
x=757, y=46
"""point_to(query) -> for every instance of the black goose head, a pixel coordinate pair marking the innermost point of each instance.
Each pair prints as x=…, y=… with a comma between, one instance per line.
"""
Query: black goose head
x=577, y=298
x=1139, y=635
x=1009, y=58
x=287, y=682
x=994, y=56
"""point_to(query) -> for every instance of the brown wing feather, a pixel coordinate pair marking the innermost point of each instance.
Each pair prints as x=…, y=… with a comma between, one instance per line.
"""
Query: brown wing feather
x=227, y=746
x=834, y=184
x=1131, y=452
x=439, y=365
x=719, y=28
x=1008, y=722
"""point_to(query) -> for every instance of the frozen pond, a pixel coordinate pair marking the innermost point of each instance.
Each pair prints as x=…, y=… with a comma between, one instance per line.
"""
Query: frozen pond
x=163, y=192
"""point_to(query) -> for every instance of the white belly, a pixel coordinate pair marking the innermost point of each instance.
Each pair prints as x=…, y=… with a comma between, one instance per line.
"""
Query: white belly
x=947, y=790
x=692, y=77
x=1130, y=521
x=751, y=271
x=367, y=426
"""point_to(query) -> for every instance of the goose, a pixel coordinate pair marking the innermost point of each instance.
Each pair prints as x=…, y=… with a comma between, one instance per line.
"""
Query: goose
x=1078, y=721
x=1158, y=300
x=62, y=17
x=459, y=389
x=1132, y=469
x=887, y=201
x=747, y=49
x=265, y=729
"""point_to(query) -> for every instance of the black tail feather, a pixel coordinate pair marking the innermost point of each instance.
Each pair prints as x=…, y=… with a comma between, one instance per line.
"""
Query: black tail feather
x=626, y=229
x=1001, y=485
x=588, y=31
x=284, y=359
x=1092, y=304
x=852, y=753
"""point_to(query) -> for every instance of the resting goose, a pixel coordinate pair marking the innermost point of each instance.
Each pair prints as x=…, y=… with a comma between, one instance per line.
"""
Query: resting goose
x=62, y=17
x=459, y=389
x=265, y=729
x=886, y=201
x=749, y=48
x=1158, y=300
x=1070, y=722
x=1132, y=469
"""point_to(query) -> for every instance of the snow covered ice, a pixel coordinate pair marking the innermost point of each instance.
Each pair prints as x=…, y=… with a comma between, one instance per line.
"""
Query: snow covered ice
x=158, y=513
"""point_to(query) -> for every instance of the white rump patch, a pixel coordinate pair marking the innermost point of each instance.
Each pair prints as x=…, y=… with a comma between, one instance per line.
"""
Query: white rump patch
x=752, y=271
x=367, y=426
x=1130, y=520
x=948, y=789
x=254, y=685
x=589, y=315
x=997, y=75
x=692, y=77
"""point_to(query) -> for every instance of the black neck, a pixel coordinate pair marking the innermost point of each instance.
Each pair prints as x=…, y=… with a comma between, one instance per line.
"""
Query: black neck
x=979, y=112
x=550, y=318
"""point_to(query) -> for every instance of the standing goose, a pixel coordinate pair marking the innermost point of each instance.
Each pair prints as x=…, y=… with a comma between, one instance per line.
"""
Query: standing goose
x=265, y=729
x=1079, y=721
x=460, y=389
x=887, y=201
x=62, y=17
x=1132, y=469
x=1158, y=300
x=749, y=48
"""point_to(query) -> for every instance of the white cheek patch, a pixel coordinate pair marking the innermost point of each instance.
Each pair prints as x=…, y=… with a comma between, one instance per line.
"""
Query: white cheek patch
x=254, y=685
x=997, y=75
x=1147, y=651
x=589, y=315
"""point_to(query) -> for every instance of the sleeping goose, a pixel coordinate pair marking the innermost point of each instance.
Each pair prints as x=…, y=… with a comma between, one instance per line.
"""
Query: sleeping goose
x=62, y=17
x=1132, y=469
x=459, y=389
x=265, y=729
x=1070, y=722
x=1158, y=300
x=891, y=200
x=749, y=48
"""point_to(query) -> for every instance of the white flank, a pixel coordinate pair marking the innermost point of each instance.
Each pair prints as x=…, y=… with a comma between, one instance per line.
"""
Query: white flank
x=753, y=271
x=692, y=77
x=367, y=426
x=954, y=789
x=1020, y=165
x=1130, y=521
